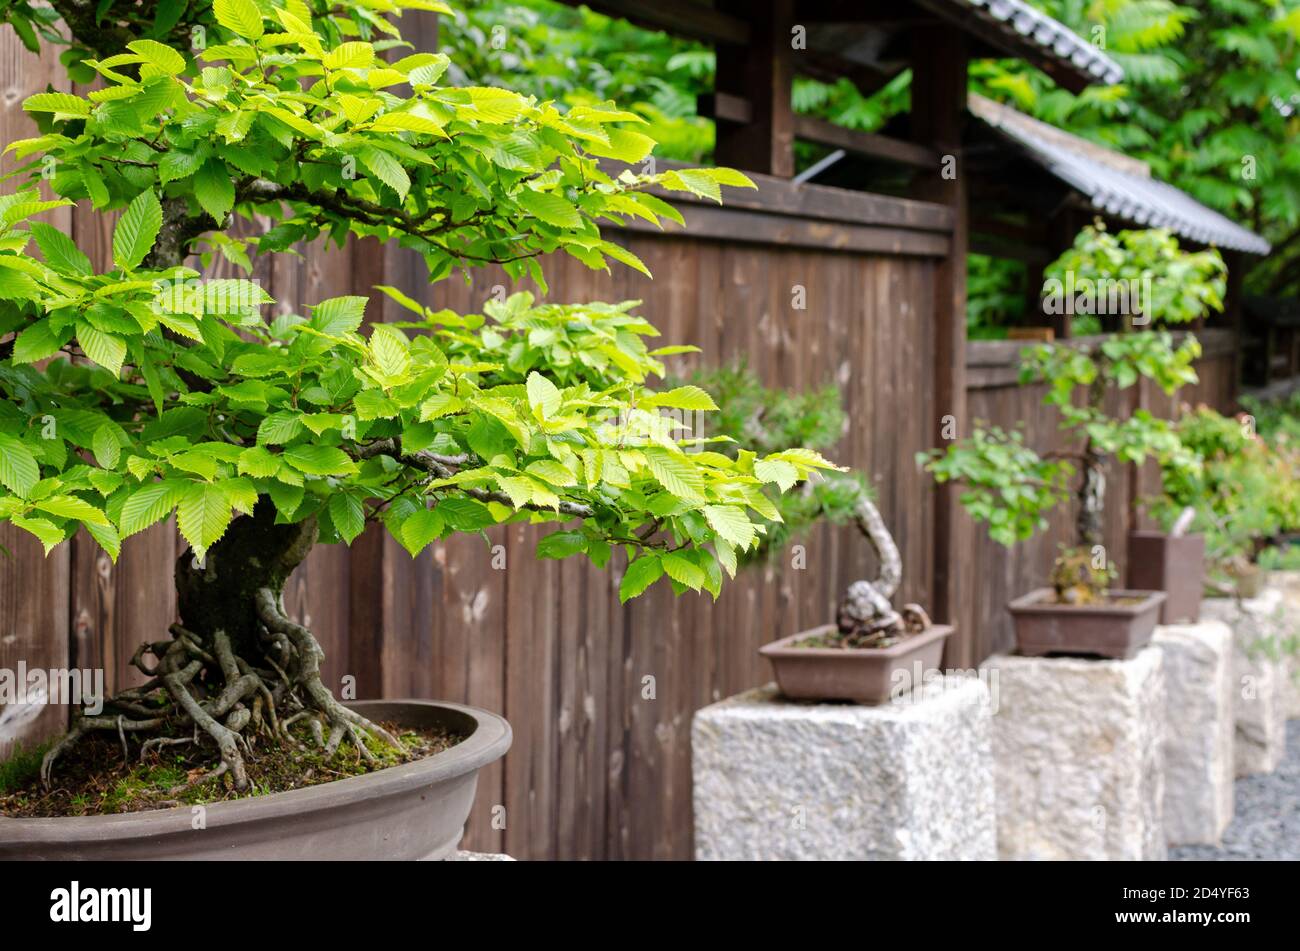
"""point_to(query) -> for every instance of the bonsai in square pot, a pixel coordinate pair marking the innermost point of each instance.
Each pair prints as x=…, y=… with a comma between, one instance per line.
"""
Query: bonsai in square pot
x=1012, y=487
x=136, y=389
x=871, y=654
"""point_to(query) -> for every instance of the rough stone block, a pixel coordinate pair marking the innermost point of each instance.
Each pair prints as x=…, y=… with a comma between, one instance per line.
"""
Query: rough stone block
x=1288, y=582
x=775, y=779
x=1078, y=754
x=1199, y=768
x=1259, y=676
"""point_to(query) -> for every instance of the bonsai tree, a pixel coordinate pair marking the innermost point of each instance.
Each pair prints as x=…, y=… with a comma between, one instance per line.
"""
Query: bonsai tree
x=773, y=421
x=1012, y=487
x=143, y=390
x=1244, y=493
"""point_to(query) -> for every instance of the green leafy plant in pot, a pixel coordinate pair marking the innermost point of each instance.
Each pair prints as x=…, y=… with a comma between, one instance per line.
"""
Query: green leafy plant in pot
x=140, y=390
x=1011, y=487
x=869, y=654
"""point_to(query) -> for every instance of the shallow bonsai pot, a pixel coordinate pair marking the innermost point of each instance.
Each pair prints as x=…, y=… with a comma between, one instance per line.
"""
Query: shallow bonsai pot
x=413, y=811
x=1103, y=630
x=1174, y=564
x=868, y=675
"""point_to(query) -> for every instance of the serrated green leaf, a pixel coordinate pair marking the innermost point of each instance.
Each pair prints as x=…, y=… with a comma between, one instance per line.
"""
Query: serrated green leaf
x=214, y=189
x=420, y=529
x=60, y=251
x=202, y=514
x=319, y=460
x=240, y=17
x=675, y=472
x=136, y=231
x=19, y=471
x=640, y=574
x=731, y=523
x=148, y=505
x=105, y=349
x=348, y=515
x=551, y=208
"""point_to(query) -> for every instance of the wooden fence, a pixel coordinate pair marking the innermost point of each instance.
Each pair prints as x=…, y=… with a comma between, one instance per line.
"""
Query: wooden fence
x=600, y=696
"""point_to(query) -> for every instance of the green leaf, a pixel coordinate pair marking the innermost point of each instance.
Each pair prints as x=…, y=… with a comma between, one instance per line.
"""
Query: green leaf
x=387, y=169
x=420, y=529
x=45, y=530
x=164, y=57
x=338, y=315
x=561, y=545
x=731, y=524
x=136, y=231
x=348, y=515
x=106, y=447
x=240, y=17
x=19, y=471
x=319, y=460
x=683, y=397
x=775, y=470
x=105, y=349
x=683, y=570
x=37, y=342
x=148, y=505
x=550, y=208
x=69, y=506
x=676, y=473
x=203, y=514
x=59, y=251
x=107, y=538
x=543, y=396
x=214, y=189
x=640, y=575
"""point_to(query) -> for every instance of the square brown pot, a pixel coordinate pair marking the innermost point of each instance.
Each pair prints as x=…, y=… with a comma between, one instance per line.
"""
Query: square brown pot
x=1174, y=564
x=1102, y=630
x=868, y=675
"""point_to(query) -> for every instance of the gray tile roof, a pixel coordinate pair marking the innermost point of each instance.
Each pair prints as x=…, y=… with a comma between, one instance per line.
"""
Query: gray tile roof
x=1114, y=184
x=1019, y=18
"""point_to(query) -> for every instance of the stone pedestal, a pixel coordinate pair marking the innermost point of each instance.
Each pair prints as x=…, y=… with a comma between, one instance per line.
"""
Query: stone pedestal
x=1288, y=582
x=1199, y=769
x=1259, y=678
x=912, y=779
x=1078, y=753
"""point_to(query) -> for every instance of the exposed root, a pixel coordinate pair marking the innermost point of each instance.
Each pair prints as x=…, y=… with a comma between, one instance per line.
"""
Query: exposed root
x=236, y=670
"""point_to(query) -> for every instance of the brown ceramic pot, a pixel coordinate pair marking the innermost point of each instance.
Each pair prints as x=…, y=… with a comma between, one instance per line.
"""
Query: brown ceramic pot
x=1102, y=630
x=1174, y=564
x=413, y=811
x=868, y=675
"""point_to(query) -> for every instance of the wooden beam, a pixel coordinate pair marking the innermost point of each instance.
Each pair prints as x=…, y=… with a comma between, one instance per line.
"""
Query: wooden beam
x=678, y=17
x=939, y=61
x=761, y=71
x=827, y=67
x=811, y=129
x=724, y=107
x=737, y=226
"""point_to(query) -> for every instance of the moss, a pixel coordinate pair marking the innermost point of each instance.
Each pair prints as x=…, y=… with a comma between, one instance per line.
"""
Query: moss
x=95, y=779
x=21, y=768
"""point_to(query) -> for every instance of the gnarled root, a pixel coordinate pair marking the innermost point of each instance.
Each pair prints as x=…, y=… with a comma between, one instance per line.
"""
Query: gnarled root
x=866, y=616
x=200, y=685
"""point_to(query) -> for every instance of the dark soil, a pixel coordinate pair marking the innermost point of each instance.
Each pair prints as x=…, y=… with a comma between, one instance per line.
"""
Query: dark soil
x=92, y=778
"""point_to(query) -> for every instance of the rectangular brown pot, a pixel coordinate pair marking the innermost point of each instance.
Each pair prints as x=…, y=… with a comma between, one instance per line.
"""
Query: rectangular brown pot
x=1103, y=630
x=868, y=675
x=1174, y=564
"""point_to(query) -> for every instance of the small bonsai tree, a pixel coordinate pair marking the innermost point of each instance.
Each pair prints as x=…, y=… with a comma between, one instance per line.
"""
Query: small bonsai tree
x=774, y=420
x=1245, y=493
x=143, y=390
x=1009, y=485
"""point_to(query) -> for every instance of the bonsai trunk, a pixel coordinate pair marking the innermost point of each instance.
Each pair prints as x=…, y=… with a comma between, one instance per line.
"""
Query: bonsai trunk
x=237, y=668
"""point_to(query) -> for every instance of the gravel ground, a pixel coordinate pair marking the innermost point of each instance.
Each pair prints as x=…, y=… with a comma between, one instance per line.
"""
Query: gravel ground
x=1266, y=817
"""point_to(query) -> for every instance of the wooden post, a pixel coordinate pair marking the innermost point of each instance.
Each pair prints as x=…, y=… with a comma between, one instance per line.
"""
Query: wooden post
x=1233, y=315
x=939, y=58
x=762, y=73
